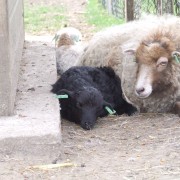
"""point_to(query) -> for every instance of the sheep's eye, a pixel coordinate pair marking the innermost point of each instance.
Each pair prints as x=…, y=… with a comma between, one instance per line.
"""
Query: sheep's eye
x=163, y=63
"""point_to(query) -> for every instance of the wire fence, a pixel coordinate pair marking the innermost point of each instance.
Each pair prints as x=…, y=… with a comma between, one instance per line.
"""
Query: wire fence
x=117, y=7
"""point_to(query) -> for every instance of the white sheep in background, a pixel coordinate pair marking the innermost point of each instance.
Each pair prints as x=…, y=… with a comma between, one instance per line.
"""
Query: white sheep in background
x=115, y=46
x=68, y=48
x=67, y=53
x=74, y=34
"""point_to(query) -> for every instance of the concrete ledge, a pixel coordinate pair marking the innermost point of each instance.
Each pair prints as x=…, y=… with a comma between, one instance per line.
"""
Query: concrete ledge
x=35, y=127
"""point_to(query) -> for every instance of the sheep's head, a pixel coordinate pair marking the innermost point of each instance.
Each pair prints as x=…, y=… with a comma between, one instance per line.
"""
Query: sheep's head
x=64, y=40
x=68, y=36
x=154, y=59
x=86, y=106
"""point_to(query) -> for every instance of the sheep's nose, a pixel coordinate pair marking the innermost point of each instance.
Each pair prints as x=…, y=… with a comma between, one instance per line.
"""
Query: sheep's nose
x=87, y=126
x=140, y=90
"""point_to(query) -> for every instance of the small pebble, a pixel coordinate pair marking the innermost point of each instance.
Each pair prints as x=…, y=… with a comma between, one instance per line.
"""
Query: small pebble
x=83, y=165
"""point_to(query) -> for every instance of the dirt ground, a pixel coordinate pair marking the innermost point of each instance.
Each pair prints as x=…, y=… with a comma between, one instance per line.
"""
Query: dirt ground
x=141, y=147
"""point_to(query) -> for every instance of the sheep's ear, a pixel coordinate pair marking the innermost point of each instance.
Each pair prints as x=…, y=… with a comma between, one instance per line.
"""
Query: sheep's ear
x=129, y=48
x=162, y=63
x=130, y=51
x=66, y=93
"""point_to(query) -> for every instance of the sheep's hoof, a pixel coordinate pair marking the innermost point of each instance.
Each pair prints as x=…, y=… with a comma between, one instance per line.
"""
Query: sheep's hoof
x=177, y=108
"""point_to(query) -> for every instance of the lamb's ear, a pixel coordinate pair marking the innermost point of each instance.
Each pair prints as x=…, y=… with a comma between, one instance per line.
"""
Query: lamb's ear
x=108, y=108
x=64, y=93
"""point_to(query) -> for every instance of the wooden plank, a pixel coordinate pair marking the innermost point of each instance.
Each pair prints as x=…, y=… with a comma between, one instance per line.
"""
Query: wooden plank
x=11, y=38
x=16, y=39
x=11, y=4
x=109, y=6
x=159, y=7
x=4, y=60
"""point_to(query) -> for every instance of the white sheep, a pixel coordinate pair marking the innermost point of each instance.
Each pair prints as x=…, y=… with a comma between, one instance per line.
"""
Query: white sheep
x=74, y=34
x=67, y=53
x=68, y=48
x=115, y=47
x=155, y=76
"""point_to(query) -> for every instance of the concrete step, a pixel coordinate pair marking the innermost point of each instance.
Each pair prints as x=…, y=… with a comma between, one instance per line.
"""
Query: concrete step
x=35, y=128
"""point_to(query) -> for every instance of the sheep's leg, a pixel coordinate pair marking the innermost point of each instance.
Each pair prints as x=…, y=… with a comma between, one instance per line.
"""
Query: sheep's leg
x=177, y=108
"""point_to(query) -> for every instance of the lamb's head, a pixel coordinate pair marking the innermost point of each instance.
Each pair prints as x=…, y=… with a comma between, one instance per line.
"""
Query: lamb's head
x=154, y=59
x=65, y=40
x=87, y=105
x=68, y=35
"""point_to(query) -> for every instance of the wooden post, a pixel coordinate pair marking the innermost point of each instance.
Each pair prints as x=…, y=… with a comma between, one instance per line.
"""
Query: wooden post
x=109, y=6
x=159, y=7
x=129, y=10
x=12, y=40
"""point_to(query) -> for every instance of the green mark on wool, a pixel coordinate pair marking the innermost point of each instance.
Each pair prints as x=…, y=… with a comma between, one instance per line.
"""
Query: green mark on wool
x=177, y=58
x=109, y=110
x=64, y=96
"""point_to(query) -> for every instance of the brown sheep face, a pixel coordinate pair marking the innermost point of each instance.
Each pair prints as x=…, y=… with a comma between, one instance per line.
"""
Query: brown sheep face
x=154, y=64
x=149, y=77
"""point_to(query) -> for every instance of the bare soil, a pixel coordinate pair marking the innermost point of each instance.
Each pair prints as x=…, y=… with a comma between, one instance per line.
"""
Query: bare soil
x=145, y=146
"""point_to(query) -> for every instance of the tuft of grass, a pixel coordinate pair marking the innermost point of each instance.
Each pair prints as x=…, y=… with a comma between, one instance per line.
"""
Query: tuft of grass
x=40, y=19
x=98, y=16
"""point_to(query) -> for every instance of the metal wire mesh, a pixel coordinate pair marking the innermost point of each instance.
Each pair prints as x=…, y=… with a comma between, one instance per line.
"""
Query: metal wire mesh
x=177, y=7
x=104, y=3
x=118, y=8
x=157, y=7
x=142, y=6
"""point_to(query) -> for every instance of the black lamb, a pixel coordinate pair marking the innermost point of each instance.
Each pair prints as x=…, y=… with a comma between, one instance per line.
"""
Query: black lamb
x=90, y=93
